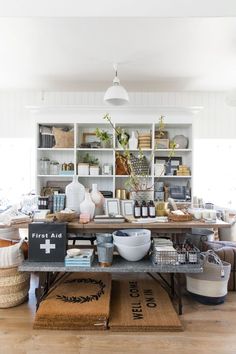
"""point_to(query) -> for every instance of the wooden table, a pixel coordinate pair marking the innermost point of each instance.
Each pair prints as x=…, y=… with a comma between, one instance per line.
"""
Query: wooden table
x=170, y=226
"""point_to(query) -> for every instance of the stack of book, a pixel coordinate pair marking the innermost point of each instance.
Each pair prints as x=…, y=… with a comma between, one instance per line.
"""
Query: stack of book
x=84, y=259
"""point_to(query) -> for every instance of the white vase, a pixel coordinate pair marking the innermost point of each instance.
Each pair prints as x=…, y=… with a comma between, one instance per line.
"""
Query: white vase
x=96, y=196
x=87, y=206
x=133, y=142
x=98, y=199
x=75, y=192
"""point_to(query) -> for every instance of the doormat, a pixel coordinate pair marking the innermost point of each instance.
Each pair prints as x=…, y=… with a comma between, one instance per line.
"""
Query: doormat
x=141, y=305
x=82, y=301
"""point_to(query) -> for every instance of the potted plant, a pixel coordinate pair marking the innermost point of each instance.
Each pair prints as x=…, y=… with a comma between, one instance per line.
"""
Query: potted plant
x=104, y=136
x=93, y=163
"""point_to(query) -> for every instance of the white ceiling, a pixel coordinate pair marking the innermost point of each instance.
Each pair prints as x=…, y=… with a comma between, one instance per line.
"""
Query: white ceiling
x=154, y=53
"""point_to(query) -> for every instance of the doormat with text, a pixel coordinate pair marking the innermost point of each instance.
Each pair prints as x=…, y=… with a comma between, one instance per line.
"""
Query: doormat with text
x=81, y=301
x=141, y=305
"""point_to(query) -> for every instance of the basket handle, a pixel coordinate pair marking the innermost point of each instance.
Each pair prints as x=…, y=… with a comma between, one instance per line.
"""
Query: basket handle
x=211, y=254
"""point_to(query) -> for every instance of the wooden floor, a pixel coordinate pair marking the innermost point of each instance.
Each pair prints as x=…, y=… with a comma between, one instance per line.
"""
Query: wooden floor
x=207, y=329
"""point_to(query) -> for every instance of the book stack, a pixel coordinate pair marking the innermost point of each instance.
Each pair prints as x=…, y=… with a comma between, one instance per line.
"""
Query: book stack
x=83, y=259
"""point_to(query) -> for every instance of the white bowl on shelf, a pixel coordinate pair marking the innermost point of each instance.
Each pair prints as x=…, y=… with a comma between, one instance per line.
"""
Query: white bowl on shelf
x=133, y=253
x=136, y=237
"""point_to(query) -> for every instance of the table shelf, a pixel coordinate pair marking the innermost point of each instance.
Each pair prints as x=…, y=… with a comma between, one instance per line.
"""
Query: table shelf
x=119, y=265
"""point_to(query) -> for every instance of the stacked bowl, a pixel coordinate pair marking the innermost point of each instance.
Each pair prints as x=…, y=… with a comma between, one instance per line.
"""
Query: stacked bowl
x=132, y=244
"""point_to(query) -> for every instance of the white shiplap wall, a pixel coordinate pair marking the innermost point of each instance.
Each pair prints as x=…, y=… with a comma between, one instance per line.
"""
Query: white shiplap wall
x=216, y=120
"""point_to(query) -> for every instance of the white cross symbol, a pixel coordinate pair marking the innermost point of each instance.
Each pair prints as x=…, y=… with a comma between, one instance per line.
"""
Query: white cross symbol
x=48, y=246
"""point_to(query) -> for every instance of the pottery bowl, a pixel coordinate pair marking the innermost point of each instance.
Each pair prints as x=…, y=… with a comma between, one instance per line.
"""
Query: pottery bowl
x=133, y=253
x=132, y=237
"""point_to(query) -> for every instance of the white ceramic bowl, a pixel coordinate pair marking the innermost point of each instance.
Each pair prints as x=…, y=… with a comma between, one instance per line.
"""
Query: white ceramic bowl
x=136, y=237
x=133, y=253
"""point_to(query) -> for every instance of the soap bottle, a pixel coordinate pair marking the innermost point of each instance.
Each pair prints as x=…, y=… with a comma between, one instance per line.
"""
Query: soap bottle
x=137, y=210
x=151, y=209
x=144, y=209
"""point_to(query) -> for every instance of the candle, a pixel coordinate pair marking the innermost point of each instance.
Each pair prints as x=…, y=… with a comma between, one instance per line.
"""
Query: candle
x=212, y=214
x=197, y=214
x=206, y=214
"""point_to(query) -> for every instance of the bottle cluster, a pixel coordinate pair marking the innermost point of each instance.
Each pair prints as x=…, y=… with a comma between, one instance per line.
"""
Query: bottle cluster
x=144, y=209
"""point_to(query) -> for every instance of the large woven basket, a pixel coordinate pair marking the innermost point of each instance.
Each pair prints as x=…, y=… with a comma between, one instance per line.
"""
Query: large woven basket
x=14, y=287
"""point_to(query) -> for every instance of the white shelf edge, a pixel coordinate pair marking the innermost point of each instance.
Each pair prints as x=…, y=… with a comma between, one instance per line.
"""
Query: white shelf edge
x=175, y=150
x=55, y=149
x=149, y=150
x=96, y=176
x=90, y=149
x=173, y=177
x=56, y=176
x=127, y=176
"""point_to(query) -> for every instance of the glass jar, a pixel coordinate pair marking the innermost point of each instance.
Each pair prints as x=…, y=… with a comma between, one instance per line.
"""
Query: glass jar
x=54, y=168
x=107, y=169
x=44, y=166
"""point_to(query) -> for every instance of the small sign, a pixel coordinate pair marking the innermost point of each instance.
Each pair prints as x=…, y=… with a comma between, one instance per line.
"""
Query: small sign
x=47, y=242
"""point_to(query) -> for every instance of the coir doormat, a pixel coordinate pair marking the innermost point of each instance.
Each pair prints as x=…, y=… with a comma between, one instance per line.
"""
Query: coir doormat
x=141, y=305
x=82, y=301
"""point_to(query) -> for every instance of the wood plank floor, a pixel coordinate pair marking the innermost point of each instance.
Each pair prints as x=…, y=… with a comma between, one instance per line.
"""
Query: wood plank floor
x=207, y=329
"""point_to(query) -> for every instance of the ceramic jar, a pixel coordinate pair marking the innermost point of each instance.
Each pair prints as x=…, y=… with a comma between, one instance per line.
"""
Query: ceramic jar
x=75, y=193
x=97, y=198
x=87, y=206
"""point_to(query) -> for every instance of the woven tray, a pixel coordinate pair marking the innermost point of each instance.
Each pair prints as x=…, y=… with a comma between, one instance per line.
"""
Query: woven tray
x=186, y=217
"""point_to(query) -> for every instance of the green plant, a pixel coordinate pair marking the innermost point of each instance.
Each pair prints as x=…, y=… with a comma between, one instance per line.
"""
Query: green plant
x=91, y=160
x=103, y=135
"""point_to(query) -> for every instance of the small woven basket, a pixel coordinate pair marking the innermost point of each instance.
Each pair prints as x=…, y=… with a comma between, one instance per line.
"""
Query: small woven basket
x=174, y=217
x=65, y=217
x=14, y=287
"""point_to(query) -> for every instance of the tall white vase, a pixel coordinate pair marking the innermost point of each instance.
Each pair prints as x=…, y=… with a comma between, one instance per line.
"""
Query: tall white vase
x=75, y=193
x=87, y=206
x=133, y=141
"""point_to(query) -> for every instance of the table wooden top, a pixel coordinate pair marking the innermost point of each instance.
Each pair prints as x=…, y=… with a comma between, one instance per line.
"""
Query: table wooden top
x=92, y=226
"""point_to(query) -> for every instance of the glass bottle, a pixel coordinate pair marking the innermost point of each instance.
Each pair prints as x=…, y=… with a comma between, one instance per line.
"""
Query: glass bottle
x=144, y=209
x=44, y=165
x=151, y=209
x=137, y=209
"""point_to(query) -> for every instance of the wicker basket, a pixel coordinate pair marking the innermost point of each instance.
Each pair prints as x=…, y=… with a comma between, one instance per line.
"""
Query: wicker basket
x=185, y=217
x=66, y=217
x=14, y=287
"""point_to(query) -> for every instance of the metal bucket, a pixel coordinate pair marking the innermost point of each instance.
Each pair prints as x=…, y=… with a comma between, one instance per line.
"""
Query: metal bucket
x=105, y=254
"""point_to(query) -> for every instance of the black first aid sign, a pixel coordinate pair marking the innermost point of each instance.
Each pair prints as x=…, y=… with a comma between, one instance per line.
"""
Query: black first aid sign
x=47, y=242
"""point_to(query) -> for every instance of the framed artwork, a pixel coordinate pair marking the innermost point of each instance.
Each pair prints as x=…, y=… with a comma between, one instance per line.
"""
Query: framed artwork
x=112, y=206
x=89, y=138
x=161, y=143
x=127, y=207
x=172, y=164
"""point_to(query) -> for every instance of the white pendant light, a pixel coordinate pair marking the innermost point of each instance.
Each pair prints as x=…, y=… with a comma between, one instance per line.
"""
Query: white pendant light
x=116, y=94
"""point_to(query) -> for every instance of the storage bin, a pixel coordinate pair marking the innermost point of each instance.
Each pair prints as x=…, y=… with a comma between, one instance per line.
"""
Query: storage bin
x=198, y=236
x=14, y=287
x=210, y=287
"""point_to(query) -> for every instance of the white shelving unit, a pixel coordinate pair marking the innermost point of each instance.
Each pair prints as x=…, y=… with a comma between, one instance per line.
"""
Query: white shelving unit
x=85, y=120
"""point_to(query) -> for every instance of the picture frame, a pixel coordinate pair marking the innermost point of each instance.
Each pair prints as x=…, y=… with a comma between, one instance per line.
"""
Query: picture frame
x=127, y=207
x=161, y=135
x=162, y=143
x=89, y=138
x=112, y=206
x=172, y=163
